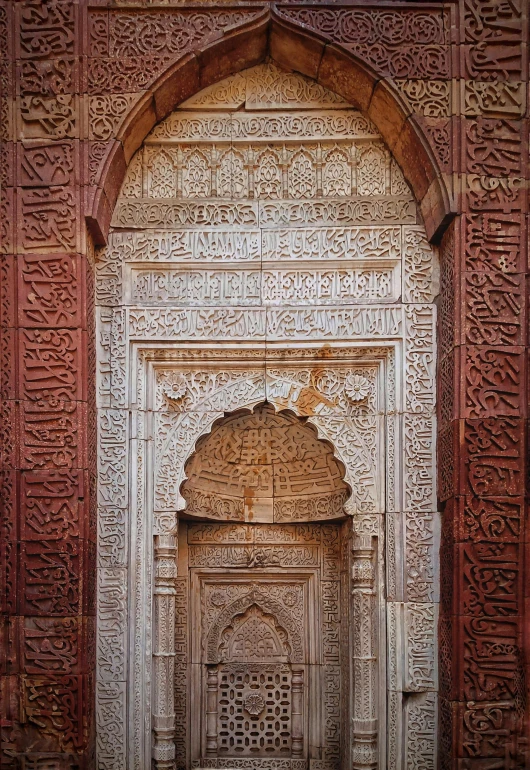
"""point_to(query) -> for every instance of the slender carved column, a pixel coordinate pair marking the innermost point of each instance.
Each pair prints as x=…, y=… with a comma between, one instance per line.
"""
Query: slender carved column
x=164, y=651
x=297, y=712
x=212, y=684
x=364, y=750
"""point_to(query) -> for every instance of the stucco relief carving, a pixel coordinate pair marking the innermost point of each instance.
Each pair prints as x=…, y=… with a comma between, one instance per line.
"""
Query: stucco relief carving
x=261, y=226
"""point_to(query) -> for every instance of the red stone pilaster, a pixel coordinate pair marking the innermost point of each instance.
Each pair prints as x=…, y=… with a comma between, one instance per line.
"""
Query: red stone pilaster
x=482, y=409
x=47, y=557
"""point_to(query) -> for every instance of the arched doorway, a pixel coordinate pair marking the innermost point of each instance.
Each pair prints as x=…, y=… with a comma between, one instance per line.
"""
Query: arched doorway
x=267, y=626
x=265, y=248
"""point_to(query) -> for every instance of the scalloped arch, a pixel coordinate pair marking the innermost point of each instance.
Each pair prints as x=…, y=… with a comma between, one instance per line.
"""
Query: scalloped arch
x=356, y=503
x=293, y=47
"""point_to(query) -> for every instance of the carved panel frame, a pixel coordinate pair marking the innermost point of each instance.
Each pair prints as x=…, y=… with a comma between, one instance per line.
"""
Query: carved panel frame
x=128, y=456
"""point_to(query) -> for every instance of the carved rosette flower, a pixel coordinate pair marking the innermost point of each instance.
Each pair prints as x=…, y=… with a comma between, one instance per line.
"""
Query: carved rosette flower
x=356, y=387
x=254, y=703
x=175, y=387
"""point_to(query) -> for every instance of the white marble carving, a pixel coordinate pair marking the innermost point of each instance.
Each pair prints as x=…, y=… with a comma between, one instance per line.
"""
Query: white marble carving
x=266, y=248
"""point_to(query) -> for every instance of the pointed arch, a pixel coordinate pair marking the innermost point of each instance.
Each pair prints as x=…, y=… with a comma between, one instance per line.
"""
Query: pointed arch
x=293, y=47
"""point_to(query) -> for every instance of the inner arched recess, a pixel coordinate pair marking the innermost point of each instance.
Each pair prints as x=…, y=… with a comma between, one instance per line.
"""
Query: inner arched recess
x=265, y=467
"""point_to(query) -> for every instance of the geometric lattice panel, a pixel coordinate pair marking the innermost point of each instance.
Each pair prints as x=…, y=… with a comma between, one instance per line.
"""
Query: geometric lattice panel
x=254, y=710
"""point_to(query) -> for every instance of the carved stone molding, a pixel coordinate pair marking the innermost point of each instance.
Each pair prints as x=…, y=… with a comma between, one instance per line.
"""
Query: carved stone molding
x=293, y=245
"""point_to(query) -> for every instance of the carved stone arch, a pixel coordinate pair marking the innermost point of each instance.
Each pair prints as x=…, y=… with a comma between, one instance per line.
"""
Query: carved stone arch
x=188, y=391
x=268, y=605
x=335, y=505
x=293, y=46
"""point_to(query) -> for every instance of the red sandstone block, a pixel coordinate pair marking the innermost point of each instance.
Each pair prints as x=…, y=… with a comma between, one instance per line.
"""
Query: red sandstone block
x=96, y=42
x=439, y=133
x=487, y=580
x=94, y=155
x=7, y=220
x=51, y=578
x=450, y=658
x=492, y=457
x=88, y=650
x=343, y=74
x=7, y=290
x=47, y=78
x=232, y=51
x=98, y=221
x=414, y=158
x=9, y=529
x=58, y=702
x=52, y=33
x=9, y=661
x=52, y=434
x=7, y=164
x=52, y=364
x=485, y=520
x=53, y=504
x=493, y=147
x=48, y=220
x=9, y=716
x=66, y=761
x=498, y=54
x=492, y=381
x=52, y=646
x=448, y=388
x=51, y=289
x=448, y=467
x=493, y=309
x=446, y=743
x=91, y=531
x=8, y=577
x=494, y=242
x=178, y=83
x=89, y=577
x=485, y=194
x=485, y=734
x=289, y=45
x=48, y=163
x=141, y=120
x=113, y=173
x=9, y=436
x=8, y=363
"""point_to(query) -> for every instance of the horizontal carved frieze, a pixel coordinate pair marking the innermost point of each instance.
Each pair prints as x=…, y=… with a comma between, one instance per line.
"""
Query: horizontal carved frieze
x=183, y=286
x=194, y=245
x=249, y=533
x=228, y=323
x=253, y=556
x=207, y=245
x=244, y=127
x=332, y=243
x=145, y=213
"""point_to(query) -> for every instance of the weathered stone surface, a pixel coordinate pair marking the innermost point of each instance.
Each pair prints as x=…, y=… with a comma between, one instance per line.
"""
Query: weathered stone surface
x=288, y=234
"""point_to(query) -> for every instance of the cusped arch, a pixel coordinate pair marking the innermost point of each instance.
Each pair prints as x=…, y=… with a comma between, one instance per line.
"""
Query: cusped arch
x=268, y=605
x=294, y=47
x=239, y=496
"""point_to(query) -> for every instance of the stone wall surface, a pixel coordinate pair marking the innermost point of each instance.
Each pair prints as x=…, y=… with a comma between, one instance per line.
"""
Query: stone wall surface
x=81, y=86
